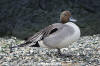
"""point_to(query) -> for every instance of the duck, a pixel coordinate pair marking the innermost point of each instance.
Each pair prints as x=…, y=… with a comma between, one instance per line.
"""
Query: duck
x=57, y=35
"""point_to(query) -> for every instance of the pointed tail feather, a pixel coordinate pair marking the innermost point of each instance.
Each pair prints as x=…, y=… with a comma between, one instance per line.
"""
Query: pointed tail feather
x=27, y=43
x=21, y=45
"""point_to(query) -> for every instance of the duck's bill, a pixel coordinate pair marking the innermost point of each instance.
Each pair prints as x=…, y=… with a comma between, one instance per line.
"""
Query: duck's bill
x=71, y=19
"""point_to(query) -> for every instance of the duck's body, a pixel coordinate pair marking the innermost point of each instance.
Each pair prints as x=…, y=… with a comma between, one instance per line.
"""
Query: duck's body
x=58, y=35
x=63, y=37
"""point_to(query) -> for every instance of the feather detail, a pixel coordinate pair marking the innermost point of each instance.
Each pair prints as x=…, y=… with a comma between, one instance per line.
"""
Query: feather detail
x=39, y=36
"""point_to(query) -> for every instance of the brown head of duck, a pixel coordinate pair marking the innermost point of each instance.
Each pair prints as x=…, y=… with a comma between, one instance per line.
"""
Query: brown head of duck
x=65, y=17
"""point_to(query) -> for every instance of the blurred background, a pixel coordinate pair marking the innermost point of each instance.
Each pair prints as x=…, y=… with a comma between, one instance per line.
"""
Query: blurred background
x=23, y=18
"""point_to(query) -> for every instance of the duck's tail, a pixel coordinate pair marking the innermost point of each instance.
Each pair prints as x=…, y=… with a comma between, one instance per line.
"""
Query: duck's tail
x=30, y=44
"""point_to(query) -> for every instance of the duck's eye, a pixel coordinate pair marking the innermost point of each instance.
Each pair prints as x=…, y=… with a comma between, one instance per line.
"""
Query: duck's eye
x=65, y=14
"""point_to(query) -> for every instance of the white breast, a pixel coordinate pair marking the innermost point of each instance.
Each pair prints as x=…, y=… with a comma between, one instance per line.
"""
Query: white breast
x=76, y=35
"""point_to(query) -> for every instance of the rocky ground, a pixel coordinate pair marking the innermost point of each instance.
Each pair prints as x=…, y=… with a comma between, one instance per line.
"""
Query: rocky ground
x=84, y=52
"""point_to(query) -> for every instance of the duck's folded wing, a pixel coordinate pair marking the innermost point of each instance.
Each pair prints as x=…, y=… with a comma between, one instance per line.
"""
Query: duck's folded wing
x=42, y=34
x=39, y=36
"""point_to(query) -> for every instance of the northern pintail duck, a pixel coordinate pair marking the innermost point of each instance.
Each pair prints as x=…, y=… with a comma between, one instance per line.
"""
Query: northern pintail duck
x=57, y=35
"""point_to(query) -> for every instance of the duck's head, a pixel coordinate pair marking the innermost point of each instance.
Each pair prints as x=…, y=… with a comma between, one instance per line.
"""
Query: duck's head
x=66, y=17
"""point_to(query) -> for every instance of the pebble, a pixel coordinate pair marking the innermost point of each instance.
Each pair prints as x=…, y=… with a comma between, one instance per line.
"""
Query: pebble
x=84, y=52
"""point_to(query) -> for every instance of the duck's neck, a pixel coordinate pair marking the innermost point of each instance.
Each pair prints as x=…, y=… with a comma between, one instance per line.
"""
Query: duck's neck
x=69, y=23
x=72, y=25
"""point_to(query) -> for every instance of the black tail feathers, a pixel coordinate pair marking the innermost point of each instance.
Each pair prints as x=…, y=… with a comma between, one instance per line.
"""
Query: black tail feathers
x=21, y=45
x=26, y=43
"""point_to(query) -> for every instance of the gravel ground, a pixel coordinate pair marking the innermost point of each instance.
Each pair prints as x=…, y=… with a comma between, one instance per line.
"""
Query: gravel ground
x=84, y=52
